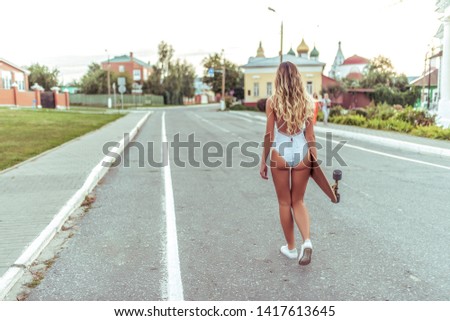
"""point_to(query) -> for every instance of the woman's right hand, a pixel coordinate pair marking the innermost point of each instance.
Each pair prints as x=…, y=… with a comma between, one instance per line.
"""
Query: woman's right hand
x=263, y=170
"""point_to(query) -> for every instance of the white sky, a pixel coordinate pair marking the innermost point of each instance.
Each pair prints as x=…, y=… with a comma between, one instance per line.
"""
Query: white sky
x=31, y=32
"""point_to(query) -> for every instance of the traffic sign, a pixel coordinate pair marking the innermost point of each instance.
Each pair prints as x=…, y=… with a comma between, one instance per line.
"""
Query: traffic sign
x=121, y=81
x=122, y=89
x=210, y=72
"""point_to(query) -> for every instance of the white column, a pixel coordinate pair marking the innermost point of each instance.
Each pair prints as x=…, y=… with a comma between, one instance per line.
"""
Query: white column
x=444, y=102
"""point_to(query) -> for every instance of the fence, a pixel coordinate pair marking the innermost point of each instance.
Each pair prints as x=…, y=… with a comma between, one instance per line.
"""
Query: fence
x=128, y=100
x=15, y=97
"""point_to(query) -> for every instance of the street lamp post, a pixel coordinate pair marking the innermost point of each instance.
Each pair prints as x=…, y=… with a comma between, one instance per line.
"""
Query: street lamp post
x=109, y=81
x=281, y=36
x=222, y=103
x=429, y=78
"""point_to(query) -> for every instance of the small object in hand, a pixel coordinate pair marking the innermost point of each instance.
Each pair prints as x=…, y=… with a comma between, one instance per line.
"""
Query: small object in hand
x=337, y=176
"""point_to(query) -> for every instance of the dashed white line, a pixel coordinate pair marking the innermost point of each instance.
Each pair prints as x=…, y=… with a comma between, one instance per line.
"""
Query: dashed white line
x=384, y=154
x=174, y=283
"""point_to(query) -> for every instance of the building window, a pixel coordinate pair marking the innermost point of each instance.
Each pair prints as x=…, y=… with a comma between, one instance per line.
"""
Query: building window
x=269, y=89
x=6, y=79
x=309, y=87
x=136, y=74
x=121, y=68
x=249, y=92
x=20, y=80
x=256, y=89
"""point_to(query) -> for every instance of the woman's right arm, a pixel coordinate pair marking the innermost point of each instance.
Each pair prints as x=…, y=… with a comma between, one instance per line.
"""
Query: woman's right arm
x=268, y=138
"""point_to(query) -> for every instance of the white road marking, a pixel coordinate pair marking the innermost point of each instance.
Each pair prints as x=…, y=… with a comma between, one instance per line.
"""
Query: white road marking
x=212, y=124
x=174, y=283
x=391, y=155
x=243, y=118
x=387, y=154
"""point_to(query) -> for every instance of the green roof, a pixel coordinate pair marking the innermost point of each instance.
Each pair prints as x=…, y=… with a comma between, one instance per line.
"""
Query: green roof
x=291, y=52
x=314, y=52
x=125, y=58
x=257, y=62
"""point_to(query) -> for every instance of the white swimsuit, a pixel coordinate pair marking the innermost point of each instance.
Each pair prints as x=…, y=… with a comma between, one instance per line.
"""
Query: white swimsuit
x=293, y=148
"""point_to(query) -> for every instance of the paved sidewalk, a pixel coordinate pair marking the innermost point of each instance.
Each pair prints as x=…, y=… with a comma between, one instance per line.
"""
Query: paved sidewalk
x=389, y=134
x=33, y=193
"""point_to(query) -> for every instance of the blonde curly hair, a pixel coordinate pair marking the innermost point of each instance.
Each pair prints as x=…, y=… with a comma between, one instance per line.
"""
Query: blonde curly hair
x=290, y=101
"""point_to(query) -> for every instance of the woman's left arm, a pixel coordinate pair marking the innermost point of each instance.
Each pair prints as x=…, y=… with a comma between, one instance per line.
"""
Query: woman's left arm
x=268, y=138
x=310, y=137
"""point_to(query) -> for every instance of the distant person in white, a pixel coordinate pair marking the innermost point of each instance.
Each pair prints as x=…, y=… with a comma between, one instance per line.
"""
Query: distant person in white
x=326, y=104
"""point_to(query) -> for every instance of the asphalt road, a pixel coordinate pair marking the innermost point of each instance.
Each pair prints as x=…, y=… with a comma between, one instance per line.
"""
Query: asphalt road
x=388, y=239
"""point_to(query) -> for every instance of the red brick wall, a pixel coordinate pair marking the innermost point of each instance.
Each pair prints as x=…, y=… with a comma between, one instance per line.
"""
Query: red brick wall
x=6, y=97
x=62, y=100
x=25, y=98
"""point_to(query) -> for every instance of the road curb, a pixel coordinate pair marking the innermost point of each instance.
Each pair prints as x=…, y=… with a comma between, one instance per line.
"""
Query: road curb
x=382, y=141
x=14, y=273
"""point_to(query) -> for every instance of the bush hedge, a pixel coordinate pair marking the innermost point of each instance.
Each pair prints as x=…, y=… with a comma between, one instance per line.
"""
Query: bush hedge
x=408, y=120
x=261, y=104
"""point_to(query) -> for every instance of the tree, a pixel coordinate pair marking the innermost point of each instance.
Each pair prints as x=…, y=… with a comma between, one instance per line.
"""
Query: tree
x=172, y=79
x=95, y=81
x=179, y=82
x=43, y=76
x=380, y=71
x=234, y=78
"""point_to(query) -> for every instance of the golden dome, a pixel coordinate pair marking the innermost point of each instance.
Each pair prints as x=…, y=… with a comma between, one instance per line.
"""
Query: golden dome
x=303, y=47
x=260, y=52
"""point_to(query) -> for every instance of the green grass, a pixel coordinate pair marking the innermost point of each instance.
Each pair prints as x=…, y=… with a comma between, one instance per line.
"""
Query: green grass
x=88, y=109
x=26, y=133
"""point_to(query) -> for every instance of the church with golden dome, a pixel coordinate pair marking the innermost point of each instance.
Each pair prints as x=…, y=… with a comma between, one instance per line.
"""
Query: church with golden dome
x=259, y=72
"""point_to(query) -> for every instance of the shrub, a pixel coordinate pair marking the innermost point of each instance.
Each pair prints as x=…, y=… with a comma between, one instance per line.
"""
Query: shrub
x=261, y=104
x=416, y=117
x=381, y=111
x=359, y=111
x=320, y=116
x=353, y=120
x=228, y=101
x=336, y=111
x=434, y=132
x=390, y=124
x=243, y=107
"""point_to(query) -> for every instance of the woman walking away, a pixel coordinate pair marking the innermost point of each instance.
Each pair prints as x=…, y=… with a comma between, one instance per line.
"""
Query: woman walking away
x=290, y=140
x=326, y=104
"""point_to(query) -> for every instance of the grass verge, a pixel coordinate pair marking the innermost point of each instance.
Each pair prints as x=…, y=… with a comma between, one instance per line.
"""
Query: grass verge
x=27, y=133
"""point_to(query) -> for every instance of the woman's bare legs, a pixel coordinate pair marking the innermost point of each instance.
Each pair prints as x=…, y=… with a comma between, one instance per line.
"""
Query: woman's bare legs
x=280, y=175
x=299, y=180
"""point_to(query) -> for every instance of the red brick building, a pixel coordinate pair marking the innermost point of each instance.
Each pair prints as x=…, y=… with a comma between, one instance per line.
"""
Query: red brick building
x=352, y=98
x=14, y=90
x=11, y=73
x=138, y=70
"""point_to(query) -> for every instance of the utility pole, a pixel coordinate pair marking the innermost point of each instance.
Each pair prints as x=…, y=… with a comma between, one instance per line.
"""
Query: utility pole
x=109, y=82
x=429, y=78
x=281, y=45
x=281, y=36
x=222, y=105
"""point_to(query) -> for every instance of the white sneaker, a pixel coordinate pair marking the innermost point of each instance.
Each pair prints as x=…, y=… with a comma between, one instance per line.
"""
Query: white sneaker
x=305, y=253
x=291, y=254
